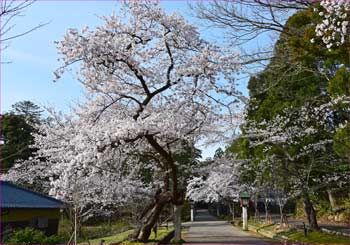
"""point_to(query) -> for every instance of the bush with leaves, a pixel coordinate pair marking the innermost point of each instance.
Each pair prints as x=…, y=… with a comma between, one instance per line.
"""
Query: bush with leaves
x=32, y=236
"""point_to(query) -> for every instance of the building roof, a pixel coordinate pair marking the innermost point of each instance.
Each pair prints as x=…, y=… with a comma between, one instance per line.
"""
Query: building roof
x=13, y=196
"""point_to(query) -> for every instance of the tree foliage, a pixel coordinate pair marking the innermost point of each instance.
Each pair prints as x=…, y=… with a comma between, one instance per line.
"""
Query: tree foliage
x=292, y=116
x=17, y=128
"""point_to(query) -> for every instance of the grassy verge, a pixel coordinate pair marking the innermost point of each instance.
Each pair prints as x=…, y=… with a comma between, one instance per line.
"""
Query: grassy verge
x=317, y=237
x=292, y=235
x=91, y=232
x=182, y=241
x=122, y=238
x=111, y=239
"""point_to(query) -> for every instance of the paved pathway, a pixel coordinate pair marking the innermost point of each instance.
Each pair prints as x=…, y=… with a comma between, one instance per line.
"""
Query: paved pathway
x=208, y=229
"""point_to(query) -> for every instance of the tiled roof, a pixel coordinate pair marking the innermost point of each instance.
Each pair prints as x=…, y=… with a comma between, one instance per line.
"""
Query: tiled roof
x=13, y=196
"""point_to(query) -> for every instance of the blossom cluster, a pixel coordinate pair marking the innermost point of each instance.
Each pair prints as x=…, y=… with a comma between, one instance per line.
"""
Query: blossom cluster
x=71, y=169
x=219, y=181
x=291, y=126
x=334, y=28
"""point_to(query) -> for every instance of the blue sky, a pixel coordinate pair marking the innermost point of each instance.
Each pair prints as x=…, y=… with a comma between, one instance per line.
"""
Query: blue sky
x=33, y=57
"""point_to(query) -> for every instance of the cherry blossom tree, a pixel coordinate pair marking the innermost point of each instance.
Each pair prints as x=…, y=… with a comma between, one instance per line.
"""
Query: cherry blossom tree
x=89, y=186
x=217, y=182
x=151, y=82
x=298, y=140
x=334, y=30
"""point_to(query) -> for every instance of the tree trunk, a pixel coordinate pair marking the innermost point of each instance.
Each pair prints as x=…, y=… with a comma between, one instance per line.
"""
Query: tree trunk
x=177, y=222
x=281, y=212
x=75, y=226
x=233, y=212
x=266, y=212
x=256, y=213
x=310, y=213
x=151, y=215
x=331, y=199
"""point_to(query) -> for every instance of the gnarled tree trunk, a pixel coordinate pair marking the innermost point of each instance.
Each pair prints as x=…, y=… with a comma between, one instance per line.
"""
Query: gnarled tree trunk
x=176, y=196
x=151, y=215
x=310, y=212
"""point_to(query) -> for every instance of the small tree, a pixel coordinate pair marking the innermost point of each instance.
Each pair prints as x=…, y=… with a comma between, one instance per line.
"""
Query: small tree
x=31, y=112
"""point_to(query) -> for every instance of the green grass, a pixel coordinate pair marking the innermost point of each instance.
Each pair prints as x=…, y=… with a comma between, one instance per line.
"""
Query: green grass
x=111, y=239
x=261, y=225
x=270, y=228
x=103, y=230
x=122, y=237
x=93, y=232
x=177, y=242
x=317, y=237
x=252, y=222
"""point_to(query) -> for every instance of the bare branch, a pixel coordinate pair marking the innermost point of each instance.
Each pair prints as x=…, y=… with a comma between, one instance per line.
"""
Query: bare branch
x=9, y=10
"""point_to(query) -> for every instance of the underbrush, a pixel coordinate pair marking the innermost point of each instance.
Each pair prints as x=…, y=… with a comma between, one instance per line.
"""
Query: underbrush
x=31, y=236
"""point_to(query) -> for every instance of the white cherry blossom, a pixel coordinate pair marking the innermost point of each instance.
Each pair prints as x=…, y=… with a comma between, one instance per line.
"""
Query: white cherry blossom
x=334, y=28
x=219, y=181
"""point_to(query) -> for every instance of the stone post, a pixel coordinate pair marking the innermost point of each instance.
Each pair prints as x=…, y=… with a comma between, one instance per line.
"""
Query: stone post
x=245, y=218
x=192, y=212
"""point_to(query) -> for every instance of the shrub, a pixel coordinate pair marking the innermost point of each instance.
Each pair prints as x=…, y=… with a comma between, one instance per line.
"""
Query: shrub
x=31, y=236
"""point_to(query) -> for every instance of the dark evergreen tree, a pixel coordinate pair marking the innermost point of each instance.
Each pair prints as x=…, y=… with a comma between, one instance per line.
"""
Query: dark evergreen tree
x=295, y=78
x=17, y=127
